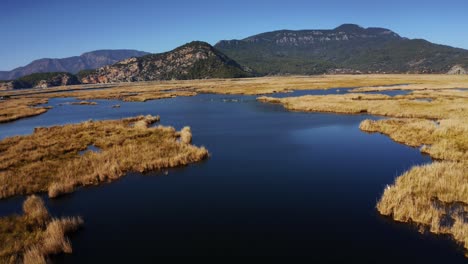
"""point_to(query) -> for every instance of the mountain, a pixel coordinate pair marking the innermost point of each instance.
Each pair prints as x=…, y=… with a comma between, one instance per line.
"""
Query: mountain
x=88, y=60
x=348, y=48
x=195, y=60
x=40, y=80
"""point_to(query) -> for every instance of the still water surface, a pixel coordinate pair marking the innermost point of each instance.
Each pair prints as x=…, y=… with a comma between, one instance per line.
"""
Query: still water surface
x=277, y=183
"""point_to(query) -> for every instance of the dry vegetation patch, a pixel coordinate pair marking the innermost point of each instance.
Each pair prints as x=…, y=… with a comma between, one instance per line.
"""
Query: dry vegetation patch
x=49, y=161
x=249, y=86
x=135, y=95
x=446, y=139
x=83, y=103
x=422, y=82
x=376, y=104
x=31, y=237
x=13, y=109
x=143, y=91
x=433, y=195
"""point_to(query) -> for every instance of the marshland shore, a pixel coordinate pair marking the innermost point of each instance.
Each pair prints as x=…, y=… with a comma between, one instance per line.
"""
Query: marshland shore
x=425, y=195
x=26, y=99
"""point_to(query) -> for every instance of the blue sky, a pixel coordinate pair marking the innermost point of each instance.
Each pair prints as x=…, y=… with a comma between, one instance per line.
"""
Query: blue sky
x=33, y=29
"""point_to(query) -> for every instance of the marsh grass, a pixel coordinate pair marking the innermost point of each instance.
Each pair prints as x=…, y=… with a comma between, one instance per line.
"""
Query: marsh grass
x=31, y=237
x=446, y=139
x=137, y=94
x=143, y=91
x=49, y=161
x=412, y=197
x=14, y=109
x=83, y=103
x=264, y=85
x=429, y=195
x=377, y=104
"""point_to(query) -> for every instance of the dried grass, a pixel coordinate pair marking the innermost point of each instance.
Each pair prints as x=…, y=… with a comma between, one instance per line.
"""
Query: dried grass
x=49, y=159
x=30, y=238
x=377, y=104
x=446, y=139
x=433, y=195
x=186, y=135
x=35, y=209
x=14, y=109
x=143, y=91
x=83, y=103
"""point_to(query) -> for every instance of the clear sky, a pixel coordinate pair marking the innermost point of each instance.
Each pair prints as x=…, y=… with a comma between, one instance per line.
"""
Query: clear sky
x=33, y=29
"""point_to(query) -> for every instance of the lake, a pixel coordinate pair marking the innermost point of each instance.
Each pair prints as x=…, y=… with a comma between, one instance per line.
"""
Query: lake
x=277, y=183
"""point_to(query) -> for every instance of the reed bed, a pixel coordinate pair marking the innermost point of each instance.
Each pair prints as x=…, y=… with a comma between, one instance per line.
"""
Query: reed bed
x=14, y=109
x=49, y=161
x=33, y=236
x=143, y=91
x=376, y=104
x=83, y=103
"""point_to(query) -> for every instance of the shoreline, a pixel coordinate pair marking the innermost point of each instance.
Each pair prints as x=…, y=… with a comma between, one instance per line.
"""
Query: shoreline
x=411, y=198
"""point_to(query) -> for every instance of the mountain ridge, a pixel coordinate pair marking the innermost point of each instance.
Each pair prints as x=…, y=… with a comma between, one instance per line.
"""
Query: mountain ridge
x=348, y=47
x=74, y=64
x=194, y=60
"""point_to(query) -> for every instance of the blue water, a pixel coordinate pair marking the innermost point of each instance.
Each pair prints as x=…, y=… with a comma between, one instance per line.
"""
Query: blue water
x=312, y=92
x=277, y=183
x=391, y=92
x=335, y=91
x=91, y=148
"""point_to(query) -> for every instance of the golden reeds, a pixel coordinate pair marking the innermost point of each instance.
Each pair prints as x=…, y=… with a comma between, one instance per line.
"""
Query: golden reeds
x=143, y=91
x=49, y=159
x=14, y=109
x=30, y=238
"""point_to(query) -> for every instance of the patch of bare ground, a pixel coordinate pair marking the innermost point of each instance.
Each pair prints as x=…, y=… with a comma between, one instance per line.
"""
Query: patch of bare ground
x=16, y=108
x=49, y=161
x=434, y=195
x=33, y=236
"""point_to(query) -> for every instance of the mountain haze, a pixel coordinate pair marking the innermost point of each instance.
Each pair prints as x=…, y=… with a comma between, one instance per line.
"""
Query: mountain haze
x=348, y=48
x=88, y=60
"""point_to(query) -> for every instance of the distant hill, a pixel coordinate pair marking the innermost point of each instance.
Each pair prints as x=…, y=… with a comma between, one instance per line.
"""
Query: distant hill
x=40, y=80
x=348, y=48
x=89, y=60
x=195, y=60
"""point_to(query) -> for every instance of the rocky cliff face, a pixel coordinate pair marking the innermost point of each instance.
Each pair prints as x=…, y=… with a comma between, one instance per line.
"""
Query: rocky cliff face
x=6, y=85
x=195, y=60
x=89, y=60
x=61, y=79
x=343, y=33
x=457, y=69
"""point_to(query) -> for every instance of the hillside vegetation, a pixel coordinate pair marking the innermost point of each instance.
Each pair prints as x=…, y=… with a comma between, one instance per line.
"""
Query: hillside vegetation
x=346, y=49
